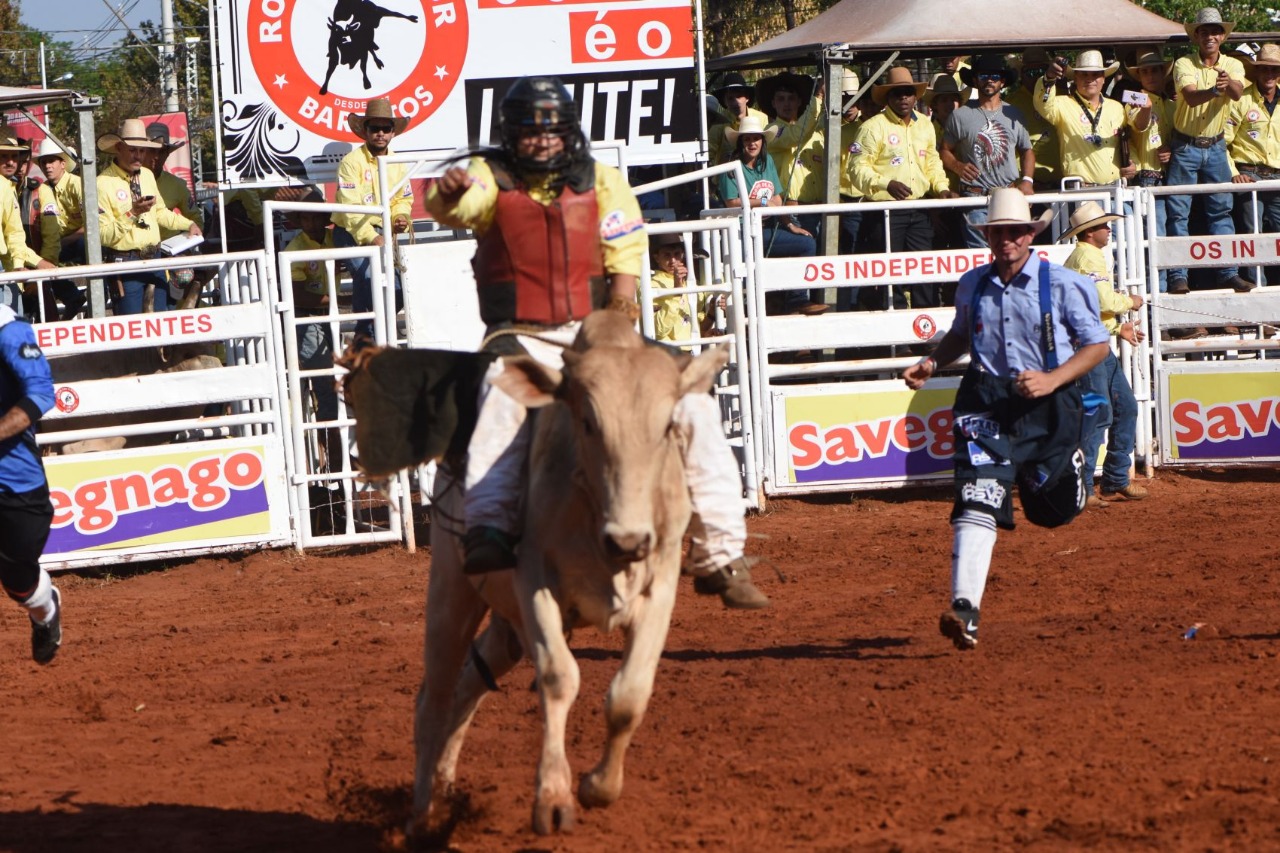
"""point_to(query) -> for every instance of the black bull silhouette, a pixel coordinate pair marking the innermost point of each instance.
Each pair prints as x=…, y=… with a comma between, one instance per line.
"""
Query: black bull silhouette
x=351, y=31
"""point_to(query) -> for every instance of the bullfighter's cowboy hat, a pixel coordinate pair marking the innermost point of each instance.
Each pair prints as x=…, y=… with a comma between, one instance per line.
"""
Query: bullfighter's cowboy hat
x=1088, y=215
x=943, y=85
x=1091, y=60
x=378, y=108
x=10, y=141
x=988, y=63
x=751, y=124
x=1148, y=59
x=1008, y=206
x=49, y=148
x=897, y=78
x=159, y=132
x=767, y=87
x=1209, y=15
x=132, y=132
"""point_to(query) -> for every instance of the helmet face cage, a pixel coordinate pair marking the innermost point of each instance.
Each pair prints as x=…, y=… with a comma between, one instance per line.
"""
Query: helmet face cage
x=540, y=105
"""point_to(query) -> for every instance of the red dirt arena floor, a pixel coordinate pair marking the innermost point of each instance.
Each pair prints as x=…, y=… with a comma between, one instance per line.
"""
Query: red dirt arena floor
x=265, y=703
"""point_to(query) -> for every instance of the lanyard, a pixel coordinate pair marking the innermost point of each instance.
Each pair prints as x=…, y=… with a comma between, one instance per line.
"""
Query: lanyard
x=1094, y=118
x=1048, y=346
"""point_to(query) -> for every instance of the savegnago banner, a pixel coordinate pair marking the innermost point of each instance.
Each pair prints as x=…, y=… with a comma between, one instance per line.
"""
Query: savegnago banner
x=291, y=72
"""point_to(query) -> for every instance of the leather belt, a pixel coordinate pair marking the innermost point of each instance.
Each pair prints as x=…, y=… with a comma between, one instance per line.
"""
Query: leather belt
x=1197, y=141
x=146, y=254
x=1266, y=173
x=1149, y=178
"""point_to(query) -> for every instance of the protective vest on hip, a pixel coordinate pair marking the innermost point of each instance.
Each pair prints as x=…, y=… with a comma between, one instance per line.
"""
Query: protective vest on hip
x=541, y=263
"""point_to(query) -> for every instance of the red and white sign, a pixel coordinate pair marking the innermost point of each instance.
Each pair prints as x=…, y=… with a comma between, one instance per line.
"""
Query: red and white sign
x=1241, y=250
x=890, y=268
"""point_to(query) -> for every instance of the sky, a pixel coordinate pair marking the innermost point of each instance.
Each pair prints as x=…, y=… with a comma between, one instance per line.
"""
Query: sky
x=73, y=20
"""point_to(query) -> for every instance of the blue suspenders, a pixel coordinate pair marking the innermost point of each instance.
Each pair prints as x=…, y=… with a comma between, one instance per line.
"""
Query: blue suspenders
x=1048, y=346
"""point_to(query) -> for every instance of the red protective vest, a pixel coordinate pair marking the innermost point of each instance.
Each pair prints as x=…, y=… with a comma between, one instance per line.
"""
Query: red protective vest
x=541, y=263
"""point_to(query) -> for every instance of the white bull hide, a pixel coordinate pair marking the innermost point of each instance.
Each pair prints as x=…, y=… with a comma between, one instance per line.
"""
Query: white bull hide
x=607, y=506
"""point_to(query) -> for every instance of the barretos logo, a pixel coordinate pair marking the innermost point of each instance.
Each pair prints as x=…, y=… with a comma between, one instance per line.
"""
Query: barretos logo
x=319, y=63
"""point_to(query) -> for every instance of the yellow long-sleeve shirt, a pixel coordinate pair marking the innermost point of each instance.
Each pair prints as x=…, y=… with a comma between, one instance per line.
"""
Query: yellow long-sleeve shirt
x=671, y=318
x=791, y=138
x=1145, y=145
x=358, y=184
x=1252, y=133
x=622, y=236
x=887, y=149
x=61, y=212
x=717, y=146
x=121, y=230
x=808, y=180
x=177, y=196
x=1092, y=163
x=1088, y=259
x=15, y=254
x=1044, y=139
x=310, y=285
x=1210, y=118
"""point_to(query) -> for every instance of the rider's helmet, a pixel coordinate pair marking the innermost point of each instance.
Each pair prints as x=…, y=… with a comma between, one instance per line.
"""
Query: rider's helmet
x=541, y=104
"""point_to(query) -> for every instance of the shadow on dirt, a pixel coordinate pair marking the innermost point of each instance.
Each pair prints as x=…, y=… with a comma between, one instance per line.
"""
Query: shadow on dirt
x=854, y=648
x=96, y=828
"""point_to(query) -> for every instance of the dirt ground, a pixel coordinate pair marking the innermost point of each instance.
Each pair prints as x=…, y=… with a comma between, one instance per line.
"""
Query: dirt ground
x=265, y=703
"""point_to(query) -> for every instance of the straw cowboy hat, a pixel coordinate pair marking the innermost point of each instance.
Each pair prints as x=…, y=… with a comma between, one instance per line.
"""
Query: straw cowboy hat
x=897, y=78
x=1091, y=60
x=132, y=132
x=49, y=148
x=1209, y=15
x=158, y=132
x=751, y=124
x=1008, y=206
x=733, y=80
x=1268, y=54
x=1088, y=215
x=767, y=87
x=377, y=108
x=943, y=84
x=10, y=141
x=988, y=63
x=1147, y=59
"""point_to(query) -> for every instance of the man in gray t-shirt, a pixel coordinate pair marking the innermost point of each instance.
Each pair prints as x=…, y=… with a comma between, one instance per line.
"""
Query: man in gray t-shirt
x=987, y=145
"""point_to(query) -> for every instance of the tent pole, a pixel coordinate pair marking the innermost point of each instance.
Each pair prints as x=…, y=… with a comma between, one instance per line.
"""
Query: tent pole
x=84, y=108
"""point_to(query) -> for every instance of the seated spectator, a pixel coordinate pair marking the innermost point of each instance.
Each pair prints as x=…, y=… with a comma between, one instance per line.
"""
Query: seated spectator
x=1091, y=227
x=1149, y=149
x=1253, y=142
x=130, y=215
x=1089, y=126
x=672, y=320
x=1044, y=139
x=61, y=199
x=783, y=238
x=895, y=158
x=735, y=99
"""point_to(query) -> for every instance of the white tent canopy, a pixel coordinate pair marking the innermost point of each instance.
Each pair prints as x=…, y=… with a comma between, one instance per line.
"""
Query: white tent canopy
x=12, y=97
x=938, y=27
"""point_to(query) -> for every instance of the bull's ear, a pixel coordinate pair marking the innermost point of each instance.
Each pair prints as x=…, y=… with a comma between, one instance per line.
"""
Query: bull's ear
x=529, y=382
x=700, y=373
x=331, y=23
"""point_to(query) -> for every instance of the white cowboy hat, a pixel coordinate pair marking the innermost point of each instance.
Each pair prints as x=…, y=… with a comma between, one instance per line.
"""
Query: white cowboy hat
x=49, y=148
x=132, y=132
x=751, y=124
x=849, y=82
x=1087, y=216
x=1209, y=15
x=1008, y=206
x=1091, y=60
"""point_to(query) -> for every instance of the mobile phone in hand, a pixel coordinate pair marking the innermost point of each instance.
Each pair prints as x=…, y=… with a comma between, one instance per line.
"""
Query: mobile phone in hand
x=1136, y=98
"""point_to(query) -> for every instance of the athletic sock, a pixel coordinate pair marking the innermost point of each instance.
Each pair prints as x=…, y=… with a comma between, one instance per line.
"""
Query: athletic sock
x=40, y=604
x=973, y=540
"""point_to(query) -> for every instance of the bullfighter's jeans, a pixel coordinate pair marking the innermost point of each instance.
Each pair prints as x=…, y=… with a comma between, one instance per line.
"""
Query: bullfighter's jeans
x=500, y=446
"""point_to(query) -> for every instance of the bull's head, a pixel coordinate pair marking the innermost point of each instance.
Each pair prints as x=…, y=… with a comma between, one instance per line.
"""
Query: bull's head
x=621, y=398
x=344, y=28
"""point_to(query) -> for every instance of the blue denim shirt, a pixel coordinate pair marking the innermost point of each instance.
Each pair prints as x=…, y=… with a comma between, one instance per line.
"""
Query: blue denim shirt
x=1005, y=333
x=24, y=381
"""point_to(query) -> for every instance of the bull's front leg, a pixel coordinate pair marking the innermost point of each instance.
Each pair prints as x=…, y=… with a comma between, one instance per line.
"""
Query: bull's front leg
x=558, y=679
x=364, y=71
x=333, y=63
x=630, y=689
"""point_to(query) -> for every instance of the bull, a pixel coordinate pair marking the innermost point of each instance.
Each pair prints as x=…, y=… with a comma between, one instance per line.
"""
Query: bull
x=351, y=32
x=606, y=509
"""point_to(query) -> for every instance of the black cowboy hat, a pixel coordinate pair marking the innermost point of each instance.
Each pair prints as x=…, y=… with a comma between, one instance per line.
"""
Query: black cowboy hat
x=802, y=84
x=988, y=63
x=732, y=80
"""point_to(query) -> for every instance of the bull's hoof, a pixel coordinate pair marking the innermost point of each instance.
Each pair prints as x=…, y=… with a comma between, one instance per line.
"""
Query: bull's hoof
x=549, y=818
x=594, y=793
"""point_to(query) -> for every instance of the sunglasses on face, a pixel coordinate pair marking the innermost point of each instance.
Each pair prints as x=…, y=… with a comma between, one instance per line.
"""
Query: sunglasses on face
x=983, y=76
x=904, y=92
x=380, y=128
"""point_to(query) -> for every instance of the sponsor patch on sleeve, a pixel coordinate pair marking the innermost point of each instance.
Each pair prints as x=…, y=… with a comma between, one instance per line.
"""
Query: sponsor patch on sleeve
x=50, y=209
x=616, y=225
x=345, y=185
x=855, y=148
x=29, y=351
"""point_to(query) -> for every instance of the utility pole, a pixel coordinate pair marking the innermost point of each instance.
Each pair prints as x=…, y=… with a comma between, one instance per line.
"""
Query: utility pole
x=168, y=68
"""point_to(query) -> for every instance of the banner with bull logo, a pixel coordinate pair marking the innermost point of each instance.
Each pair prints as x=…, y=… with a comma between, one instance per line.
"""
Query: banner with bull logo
x=291, y=72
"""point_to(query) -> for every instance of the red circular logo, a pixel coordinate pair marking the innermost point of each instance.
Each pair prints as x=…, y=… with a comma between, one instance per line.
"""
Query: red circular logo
x=319, y=63
x=66, y=399
x=924, y=327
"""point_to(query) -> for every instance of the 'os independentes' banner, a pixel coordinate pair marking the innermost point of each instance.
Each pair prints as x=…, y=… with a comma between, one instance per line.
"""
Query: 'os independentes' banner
x=292, y=71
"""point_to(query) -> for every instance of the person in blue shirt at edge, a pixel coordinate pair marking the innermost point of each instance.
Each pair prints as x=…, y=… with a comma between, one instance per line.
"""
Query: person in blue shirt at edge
x=26, y=393
x=1019, y=412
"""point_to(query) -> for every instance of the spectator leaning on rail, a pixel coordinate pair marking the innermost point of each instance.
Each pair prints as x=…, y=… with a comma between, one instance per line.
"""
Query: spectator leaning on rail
x=1253, y=141
x=557, y=236
x=358, y=184
x=1091, y=226
x=1089, y=126
x=734, y=97
x=1044, y=139
x=1205, y=85
x=61, y=201
x=130, y=215
x=895, y=158
x=26, y=393
x=986, y=145
x=1019, y=413
x=15, y=254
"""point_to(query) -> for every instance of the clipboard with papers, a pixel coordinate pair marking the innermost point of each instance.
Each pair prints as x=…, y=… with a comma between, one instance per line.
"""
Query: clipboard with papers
x=179, y=243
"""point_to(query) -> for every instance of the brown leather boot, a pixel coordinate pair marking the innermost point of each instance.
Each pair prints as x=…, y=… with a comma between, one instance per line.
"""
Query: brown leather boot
x=732, y=582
